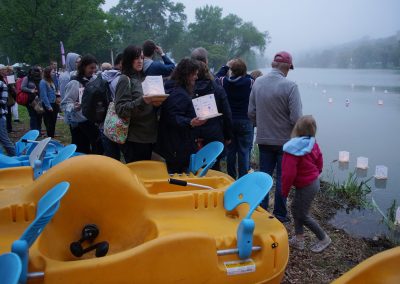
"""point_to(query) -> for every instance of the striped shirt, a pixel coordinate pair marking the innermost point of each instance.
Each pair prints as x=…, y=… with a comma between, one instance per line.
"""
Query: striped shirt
x=3, y=98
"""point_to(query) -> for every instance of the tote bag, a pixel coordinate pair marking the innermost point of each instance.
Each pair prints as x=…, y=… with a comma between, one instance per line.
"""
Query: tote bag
x=115, y=128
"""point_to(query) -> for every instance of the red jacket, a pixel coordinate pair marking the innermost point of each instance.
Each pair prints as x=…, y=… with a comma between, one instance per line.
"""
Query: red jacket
x=300, y=171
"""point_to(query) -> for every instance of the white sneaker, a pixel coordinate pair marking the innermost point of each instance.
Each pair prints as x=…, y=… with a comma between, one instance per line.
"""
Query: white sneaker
x=295, y=243
x=321, y=245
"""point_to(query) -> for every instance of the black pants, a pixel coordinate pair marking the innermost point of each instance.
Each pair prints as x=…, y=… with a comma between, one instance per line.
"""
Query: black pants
x=50, y=119
x=134, y=151
x=86, y=137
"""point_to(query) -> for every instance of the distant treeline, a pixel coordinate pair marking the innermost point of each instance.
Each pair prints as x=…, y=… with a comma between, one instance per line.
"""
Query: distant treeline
x=31, y=31
x=366, y=53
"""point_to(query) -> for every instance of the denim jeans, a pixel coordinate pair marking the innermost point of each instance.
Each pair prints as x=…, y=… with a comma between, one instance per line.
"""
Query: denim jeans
x=271, y=158
x=4, y=139
x=243, y=133
x=35, y=119
x=111, y=149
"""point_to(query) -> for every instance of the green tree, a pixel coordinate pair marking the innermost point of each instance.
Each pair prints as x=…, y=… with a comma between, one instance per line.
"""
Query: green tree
x=223, y=37
x=160, y=20
x=31, y=30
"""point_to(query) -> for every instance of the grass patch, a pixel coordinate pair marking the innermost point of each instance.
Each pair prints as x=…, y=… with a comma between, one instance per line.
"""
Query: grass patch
x=353, y=192
x=389, y=219
x=62, y=130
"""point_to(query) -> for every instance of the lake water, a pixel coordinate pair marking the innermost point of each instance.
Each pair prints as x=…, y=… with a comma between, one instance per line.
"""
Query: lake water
x=363, y=128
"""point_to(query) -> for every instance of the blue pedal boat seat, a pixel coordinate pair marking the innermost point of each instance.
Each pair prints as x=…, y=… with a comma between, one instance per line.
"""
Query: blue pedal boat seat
x=47, y=207
x=251, y=189
x=10, y=268
x=205, y=158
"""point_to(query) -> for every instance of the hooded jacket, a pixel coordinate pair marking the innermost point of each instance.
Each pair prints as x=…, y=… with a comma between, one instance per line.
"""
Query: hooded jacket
x=238, y=91
x=112, y=77
x=301, y=164
x=156, y=68
x=217, y=128
x=73, y=114
x=175, y=135
x=70, y=66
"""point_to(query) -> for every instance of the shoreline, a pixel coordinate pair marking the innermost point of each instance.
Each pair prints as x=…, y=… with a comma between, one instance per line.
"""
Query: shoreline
x=344, y=253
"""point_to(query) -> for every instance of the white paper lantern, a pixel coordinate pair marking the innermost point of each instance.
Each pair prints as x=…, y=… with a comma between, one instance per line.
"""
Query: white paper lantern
x=381, y=172
x=344, y=156
x=362, y=163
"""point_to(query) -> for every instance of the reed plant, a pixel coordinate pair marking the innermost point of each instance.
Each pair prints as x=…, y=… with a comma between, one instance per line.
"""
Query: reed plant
x=352, y=191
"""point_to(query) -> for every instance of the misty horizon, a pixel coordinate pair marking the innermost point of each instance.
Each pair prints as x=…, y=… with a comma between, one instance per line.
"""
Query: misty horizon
x=307, y=25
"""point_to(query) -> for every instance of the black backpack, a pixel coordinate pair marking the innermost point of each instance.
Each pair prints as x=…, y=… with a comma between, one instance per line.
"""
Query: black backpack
x=95, y=100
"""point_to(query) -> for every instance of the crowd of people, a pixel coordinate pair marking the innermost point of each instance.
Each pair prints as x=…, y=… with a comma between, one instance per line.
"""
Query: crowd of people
x=170, y=128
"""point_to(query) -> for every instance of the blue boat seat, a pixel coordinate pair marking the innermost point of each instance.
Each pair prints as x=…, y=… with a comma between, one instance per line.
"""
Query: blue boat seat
x=251, y=189
x=10, y=268
x=47, y=207
x=205, y=158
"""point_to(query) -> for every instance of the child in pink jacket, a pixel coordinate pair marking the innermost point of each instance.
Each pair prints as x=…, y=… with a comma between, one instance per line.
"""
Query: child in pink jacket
x=301, y=167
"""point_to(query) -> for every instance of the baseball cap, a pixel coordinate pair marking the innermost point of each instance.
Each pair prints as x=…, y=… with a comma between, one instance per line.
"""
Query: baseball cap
x=284, y=57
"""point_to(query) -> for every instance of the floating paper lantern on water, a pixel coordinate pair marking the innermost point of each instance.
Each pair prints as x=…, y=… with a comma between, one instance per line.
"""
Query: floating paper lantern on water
x=373, y=89
x=385, y=91
x=397, y=222
x=315, y=84
x=330, y=100
x=344, y=156
x=362, y=163
x=352, y=85
x=380, y=102
x=381, y=172
x=324, y=91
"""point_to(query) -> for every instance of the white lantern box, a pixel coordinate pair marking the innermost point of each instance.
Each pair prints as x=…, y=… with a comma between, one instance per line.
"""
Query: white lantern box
x=330, y=100
x=380, y=102
x=381, y=172
x=397, y=222
x=362, y=163
x=344, y=156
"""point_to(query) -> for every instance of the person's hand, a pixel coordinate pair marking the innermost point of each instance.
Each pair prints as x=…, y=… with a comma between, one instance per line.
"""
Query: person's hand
x=50, y=109
x=77, y=106
x=147, y=99
x=197, y=122
x=159, y=50
x=227, y=142
x=156, y=103
x=35, y=91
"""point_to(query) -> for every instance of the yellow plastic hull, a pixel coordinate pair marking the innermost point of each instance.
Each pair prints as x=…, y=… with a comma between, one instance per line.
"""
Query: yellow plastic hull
x=158, y=233
x=382, y=268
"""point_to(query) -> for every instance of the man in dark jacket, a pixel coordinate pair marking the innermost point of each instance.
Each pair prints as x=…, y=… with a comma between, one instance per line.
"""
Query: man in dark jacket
x=152, y=67
x=217, y=128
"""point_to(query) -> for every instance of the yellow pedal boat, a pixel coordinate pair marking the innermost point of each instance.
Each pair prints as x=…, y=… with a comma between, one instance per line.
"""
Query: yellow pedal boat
x=382, y=268
x=157, y=232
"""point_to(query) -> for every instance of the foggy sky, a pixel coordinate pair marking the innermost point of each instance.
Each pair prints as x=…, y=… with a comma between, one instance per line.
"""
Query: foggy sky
x=301, y=25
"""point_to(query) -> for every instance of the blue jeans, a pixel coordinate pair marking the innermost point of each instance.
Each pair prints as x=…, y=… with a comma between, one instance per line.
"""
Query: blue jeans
x=35, y=121
x=4, y=139
x=271, y=158
x=243, y=133
x=111, y=149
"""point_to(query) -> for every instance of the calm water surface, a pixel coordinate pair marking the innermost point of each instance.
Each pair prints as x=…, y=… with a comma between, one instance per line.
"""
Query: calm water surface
x=363, y=128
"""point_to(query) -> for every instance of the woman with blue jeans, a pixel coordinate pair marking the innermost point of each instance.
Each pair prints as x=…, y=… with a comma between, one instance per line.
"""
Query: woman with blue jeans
x=238, y=87
x=48, y=97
